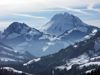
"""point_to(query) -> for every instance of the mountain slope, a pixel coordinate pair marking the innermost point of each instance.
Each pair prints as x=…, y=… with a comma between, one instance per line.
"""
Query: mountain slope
x=11, y=56
x=18, y=29
x=64, y=22
x=11, y=71
x=83, y=53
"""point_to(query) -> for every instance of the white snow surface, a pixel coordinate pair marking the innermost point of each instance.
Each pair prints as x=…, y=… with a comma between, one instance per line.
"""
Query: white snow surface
x=64, y=22
x=48, y=45
x=13, y=35
x=75, y=46
x=45, y=48
x=90, y=35
x=93, y=58
x=12, y=69
x=90, y=63
x=89, y=71
x=31, y=61
x=50, y=37
x=32, y=33
x=82, y=59
x=94, y=31
x=6, y=59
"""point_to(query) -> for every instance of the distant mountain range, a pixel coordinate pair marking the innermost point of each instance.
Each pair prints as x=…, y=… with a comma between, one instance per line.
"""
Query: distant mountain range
x=11, y=56
x=61, y=31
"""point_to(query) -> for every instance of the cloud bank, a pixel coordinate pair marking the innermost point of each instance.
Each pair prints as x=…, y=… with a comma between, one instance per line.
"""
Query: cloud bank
x=36, y=5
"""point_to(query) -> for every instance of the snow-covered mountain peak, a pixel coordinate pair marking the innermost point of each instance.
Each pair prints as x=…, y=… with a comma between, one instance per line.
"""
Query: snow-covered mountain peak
x=60, y=16
x=17, y=24
x=62, y=22
x=21, y=30
x=15, y=27
x=68, y=19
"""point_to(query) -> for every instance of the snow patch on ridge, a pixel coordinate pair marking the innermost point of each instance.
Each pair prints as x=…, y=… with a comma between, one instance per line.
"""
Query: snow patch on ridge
x=82, y=59
x=45, y=48
x=11, y=69
x=14, y=70
x=90, y=63
x=89, y=71
x=5, y=59
x=48, y=45
x=13, y=35
x=90, y=35
x=31, y=61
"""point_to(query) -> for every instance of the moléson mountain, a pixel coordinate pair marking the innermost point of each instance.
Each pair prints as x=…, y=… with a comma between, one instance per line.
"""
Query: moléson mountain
x=62, y=30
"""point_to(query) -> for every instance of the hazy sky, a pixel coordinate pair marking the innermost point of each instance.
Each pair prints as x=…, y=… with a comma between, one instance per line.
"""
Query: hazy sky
x=36, y=13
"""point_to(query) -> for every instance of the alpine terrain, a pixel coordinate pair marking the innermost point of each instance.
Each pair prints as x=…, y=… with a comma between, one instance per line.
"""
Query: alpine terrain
x=62, y=30
x=79, y=59
x=11, y=56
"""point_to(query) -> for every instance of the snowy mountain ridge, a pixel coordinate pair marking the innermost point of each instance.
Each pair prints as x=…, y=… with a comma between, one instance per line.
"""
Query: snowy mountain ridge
x=65, y=29
x=11, y=56
x=13, y=71
x=17, y=29
x=63, y=22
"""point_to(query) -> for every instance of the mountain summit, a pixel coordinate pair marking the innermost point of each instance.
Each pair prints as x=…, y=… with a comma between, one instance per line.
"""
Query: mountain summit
x=18, y=29
x=15, y=27
x=63, y=22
